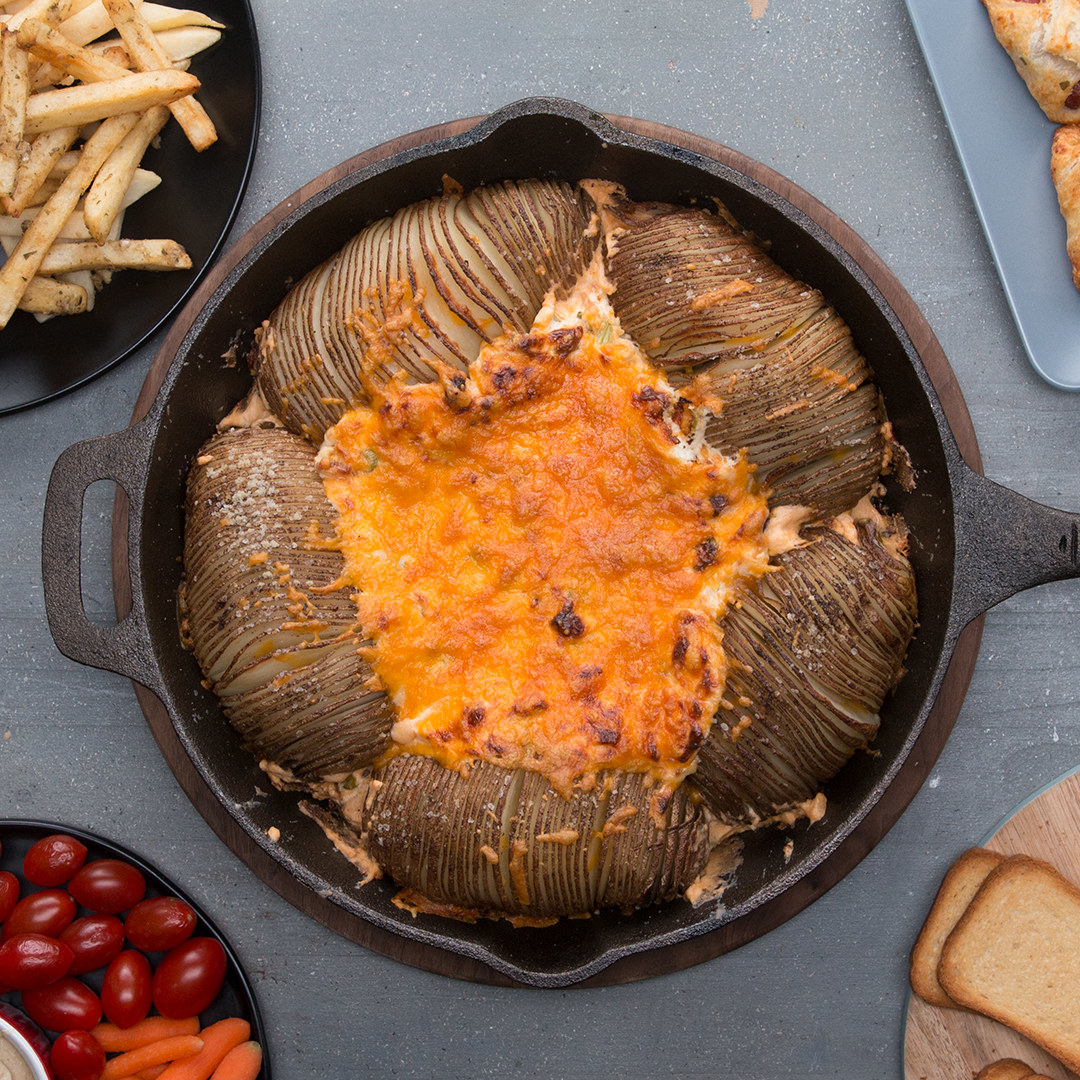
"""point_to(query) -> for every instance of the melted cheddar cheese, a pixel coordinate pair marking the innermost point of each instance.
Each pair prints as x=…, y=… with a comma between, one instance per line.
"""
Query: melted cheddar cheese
x=541, y=551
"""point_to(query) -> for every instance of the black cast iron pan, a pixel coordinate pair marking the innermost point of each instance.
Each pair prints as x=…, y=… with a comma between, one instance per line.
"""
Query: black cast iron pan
x=974, y=544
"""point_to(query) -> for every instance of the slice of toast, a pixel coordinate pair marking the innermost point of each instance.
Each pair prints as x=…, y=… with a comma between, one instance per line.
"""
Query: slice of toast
x=959, y=885
x=1014, y=955
x=1007, y=1069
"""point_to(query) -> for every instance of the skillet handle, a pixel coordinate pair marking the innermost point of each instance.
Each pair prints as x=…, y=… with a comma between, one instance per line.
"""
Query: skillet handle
x=1005, y=543
x=124, y=648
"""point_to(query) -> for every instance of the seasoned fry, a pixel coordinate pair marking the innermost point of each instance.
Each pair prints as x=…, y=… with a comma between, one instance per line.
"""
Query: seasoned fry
x=14, y=89
x=184, y=42
x=79, y=106
x=133, y=92
x=52, y=47
x=148, y=55
x=34, y=169
x=93, y=21
x=87, y=102
x=50, y=11
x=163, y=17
x=44, y=296
x=106, y=194
x=22, y=265
x=180, y=44
x=116, y=255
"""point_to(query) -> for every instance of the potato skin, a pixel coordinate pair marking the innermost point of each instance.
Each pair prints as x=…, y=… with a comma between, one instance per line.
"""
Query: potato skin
x=274, y=638
x=503, y=841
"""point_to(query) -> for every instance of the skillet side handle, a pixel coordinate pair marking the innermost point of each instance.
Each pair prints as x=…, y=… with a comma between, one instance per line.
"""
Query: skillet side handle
x=124, y=648
x=1006, y=543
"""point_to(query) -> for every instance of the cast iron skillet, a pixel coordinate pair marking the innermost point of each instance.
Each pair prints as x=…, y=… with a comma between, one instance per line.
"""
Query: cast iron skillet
x=974, y=544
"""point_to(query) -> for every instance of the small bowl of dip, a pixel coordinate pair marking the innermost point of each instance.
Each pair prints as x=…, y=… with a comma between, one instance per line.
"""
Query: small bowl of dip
x=24, y=1050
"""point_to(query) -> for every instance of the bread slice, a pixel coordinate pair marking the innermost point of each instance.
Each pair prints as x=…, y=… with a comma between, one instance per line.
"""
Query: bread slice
x=1014, y=955
x=959, y=885
x=1007, y=1069
x=1065, y=169
x=1043, y=39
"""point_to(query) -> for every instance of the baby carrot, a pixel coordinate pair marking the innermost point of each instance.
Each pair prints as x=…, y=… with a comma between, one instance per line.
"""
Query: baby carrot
x=153, y=1072
x=218, y=1040
x=242, y=1062
x=113, y=1039
x=142, y=1057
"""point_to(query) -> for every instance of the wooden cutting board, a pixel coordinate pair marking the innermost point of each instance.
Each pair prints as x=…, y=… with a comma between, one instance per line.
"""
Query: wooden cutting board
x=947, y=1044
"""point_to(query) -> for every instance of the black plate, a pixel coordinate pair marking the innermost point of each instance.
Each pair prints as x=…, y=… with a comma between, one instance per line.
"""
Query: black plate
x=237, y=998
x=195, y=204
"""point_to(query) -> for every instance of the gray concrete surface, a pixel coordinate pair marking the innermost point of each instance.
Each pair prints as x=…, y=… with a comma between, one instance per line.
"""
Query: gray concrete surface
x=833, y=95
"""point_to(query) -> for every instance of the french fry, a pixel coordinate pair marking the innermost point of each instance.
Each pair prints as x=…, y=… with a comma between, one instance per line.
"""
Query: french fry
x=106, y=194
x=50, y=46
x=22, y=265
x=116, y=255
x=163, y=17
x=87, y=102
x=74, y=229
x=180, y=43
x=61, y=209
x=14, y=90
x=87, y=25
x=148, y=55
x=34, y=169
x=44, y=296
x=51, y=11
x=184, y=42
x=93, y=21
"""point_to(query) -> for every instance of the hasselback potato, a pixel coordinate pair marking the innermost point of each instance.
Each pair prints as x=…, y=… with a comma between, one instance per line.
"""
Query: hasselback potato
x=419, y=292
x=277, y=642
x=558, y=551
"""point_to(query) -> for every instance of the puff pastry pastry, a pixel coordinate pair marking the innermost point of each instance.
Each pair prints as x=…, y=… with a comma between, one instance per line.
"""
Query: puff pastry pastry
x=1043, y=39
x=1065, y=168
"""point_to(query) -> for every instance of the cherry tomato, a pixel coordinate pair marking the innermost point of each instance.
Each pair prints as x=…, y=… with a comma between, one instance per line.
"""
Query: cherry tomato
x=108, y=886
x=66, y=1003
x=46, y=912
x=30, y=961
x=77, y=1055
x=52, y=860
x=95, y=940
x=160, y=923
x=125, y=992
x=9, y=893
x=189, y=977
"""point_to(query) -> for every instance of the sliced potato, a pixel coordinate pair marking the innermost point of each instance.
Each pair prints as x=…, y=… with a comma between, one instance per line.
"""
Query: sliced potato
x=148, y=55
x=87, y=102
x=277, y=641
x=22, y=266
x=105, y=198
x=501, y=840
x=814, y=649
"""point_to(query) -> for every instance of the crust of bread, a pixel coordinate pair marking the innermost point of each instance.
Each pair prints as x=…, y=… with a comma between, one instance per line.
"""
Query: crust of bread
x=1014, y=955
x=959, y=885
x=1065, y=169
x=1043, y=39
x=1007, y=1069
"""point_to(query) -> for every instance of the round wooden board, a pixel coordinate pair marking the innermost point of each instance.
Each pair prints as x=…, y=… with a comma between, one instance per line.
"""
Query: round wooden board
x=671, y=958
x=943, y=1043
